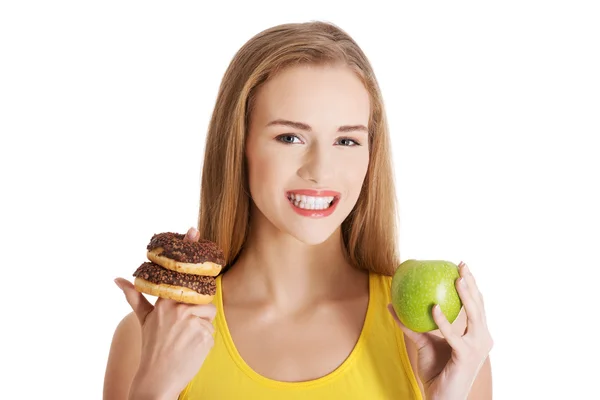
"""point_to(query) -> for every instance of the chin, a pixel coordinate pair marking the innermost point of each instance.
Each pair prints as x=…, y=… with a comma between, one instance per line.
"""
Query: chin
x=311, y=236
x=309, y=231
x=311, y=240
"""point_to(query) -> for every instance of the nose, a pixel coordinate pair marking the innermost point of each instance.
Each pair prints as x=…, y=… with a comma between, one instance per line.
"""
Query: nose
x=318, y=165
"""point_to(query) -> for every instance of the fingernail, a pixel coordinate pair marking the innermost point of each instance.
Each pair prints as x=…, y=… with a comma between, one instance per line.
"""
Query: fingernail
x=462, y=282
x=119, y=284
x=191, y=234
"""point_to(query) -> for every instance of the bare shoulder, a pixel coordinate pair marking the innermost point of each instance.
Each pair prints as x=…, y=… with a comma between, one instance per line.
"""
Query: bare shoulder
x=123, y=359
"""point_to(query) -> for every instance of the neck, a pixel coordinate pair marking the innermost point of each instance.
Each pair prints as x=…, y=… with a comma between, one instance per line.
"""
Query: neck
x=278, y=269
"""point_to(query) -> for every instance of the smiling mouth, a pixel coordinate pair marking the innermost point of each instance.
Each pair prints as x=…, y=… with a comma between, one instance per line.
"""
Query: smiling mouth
x=312, y=202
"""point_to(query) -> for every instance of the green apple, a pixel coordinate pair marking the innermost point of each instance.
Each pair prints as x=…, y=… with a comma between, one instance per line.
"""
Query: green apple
x=418, y=285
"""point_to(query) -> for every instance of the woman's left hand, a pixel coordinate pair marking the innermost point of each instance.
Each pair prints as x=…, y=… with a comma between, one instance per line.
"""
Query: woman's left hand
x=448, y=366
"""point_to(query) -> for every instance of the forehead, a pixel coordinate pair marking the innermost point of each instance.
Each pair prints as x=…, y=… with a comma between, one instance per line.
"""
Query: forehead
x=315, y=95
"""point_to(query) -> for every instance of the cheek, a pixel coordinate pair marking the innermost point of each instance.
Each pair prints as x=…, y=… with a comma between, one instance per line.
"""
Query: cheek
x=256, y=168
x=355, y=173
x=265, y=170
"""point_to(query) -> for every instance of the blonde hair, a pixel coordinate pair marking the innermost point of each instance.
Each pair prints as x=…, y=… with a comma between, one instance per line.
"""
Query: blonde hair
x=369, y=232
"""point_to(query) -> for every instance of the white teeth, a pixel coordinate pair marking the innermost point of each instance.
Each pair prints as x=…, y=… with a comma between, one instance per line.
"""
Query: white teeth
x=310, y=202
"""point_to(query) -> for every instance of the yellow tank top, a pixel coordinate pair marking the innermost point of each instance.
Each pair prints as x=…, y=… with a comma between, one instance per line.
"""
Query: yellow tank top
x=377, y=368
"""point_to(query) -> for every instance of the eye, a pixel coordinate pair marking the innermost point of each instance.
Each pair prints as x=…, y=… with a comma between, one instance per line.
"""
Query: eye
x=288, y=139
x=348, y=142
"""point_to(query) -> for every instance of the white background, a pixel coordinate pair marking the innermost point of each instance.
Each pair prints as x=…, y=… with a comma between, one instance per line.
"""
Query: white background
x=494, y=111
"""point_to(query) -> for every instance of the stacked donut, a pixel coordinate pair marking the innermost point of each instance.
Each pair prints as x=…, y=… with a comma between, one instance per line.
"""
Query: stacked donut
x=180, y=270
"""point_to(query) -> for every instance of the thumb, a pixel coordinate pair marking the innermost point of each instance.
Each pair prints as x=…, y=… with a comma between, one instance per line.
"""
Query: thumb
x=141, y=307
x=192, y=235
x=418, y=338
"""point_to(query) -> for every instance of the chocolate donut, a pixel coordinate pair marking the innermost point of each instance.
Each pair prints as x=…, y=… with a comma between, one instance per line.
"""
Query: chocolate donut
x=180, y=270
x=199, y=258
x=161, y=276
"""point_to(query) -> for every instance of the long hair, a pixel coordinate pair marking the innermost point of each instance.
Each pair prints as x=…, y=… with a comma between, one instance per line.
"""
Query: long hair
x=369, y=232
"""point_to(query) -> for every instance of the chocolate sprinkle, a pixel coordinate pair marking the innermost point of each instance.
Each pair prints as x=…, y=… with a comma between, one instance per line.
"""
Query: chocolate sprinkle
x=156, y=274
x=187, y=252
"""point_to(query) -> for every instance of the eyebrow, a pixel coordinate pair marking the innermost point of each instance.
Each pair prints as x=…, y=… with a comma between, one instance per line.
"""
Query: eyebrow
x=305, y=127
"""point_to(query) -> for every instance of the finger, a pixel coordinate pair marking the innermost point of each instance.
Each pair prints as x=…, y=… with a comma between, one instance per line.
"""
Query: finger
x=453, y=339
x=471, y=308
x=472, y=285
x=192, y=235
x=204, y=311
x=163, y=304
x=206, y=325
x=418, y=338
x=141, y=307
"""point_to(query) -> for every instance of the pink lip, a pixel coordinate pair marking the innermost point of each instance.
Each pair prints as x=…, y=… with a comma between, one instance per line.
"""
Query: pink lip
x=315, y=193
x=315, y=213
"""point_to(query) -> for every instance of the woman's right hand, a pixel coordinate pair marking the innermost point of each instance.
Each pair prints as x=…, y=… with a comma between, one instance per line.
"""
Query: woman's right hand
x=176, y=338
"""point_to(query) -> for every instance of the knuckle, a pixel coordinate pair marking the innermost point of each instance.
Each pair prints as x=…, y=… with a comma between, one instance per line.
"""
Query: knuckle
x=210, y=342
x=213, y=310
x=207, y=339
x=205, y=331
x=483, y=347
x=475, y=317
x=204, y=311
x=210, y=310
x=160, y=310
x=163, y=305
x=211, y=331
x=159, y=305
x=181, y=310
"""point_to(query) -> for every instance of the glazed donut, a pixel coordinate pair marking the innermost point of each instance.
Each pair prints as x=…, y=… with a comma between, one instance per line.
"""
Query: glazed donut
x=199, y=258
x=180, y=270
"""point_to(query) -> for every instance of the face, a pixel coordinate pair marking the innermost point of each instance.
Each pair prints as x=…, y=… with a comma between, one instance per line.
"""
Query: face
x=307, y=150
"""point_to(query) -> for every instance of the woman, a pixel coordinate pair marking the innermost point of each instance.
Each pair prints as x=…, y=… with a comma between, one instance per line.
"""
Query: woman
x=297, y=189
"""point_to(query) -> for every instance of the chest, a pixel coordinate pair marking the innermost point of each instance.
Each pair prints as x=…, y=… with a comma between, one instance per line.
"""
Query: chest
x=299, y=347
